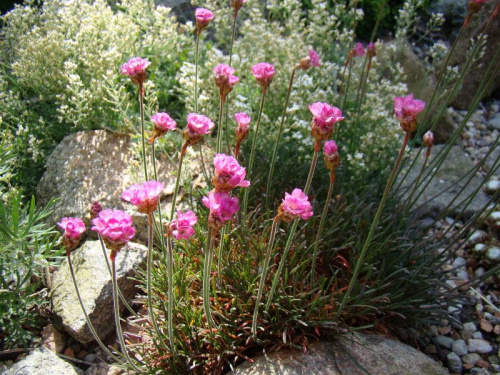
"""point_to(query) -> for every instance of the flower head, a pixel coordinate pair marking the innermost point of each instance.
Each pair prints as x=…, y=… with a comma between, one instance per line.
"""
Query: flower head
x=144, y=196
x=182, y=228
x=237, y=4
x=197, y=126
x=222, y=207
x=73, y=230
x=243, y=127
x=203, y=17
x=406, y=110
x=224, y=79
x=295, y=205
x=428, y=139
x=371, y=51
x=163, y=123
x=263, y=73
x=312, y=59
x=95, y=209
x=358, y=50
x=330, y=155
x=228, y=173
x=135, y=68
x=324, y=118
x=115, y=227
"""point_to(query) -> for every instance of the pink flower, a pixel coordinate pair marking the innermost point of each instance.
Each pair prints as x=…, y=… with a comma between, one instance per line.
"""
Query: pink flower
x=324, y=118
x=406, y=110
x=243, y=127
x=237, y=4
x=73, y=230
x=145, y=196
x=115, y=227
x=371, y=51
x=358, y=50
x=228, y=173
x=95, y=209
x=135, y=68
x=428, y=139
x=312, y=59
x=203, y=17
x=295, y=205
x=182, y=228
x=224, y=79
x=199, y=124
x=330, y=155
x=480, y=2
x=263, y=73
x=162, y=122
x=222, y=207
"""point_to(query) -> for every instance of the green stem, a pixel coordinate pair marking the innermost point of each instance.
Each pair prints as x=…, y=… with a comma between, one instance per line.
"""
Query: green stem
x=153, y=159
x=219, y=127
x=206, y=279
x=150, y=282
x=347, y=86
x=416, y=183
x=203, y=168
x=141, y=107
x=311, y=172
x=373, y=226
x=321, y=224
x=119, y=331
x=280, y=132
x=233, y=35
x=252, y=156
x=176, y=189
x=263, y=275
x=170, y=272
x=196, y=73
x=91, y=327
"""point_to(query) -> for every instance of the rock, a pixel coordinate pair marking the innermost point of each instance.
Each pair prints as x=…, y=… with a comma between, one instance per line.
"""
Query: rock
x=471, y=358
x=453, y=12
x=41, y=361
x=490, y=161
x=454, y=362
x=459, y=262
x=480, y=248
x=90, y=166
x=443, y=341
x=53, y=339
x=479, y=346
x=459, y=347
x=474, y=78
x=494, y=122
x=492, y=186
x=493, y=254
x=103, y=369
x=470, y=327
x=486, y=326
x=346, y=356
x=477, y=236
x=94, y=283
x=450, y=177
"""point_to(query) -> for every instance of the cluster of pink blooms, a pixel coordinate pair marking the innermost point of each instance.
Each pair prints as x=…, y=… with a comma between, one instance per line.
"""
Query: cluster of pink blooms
x=406, y=110
x=242, y=130
x=182, y=227
x=237, y=4
x=145, y=196
x=228, y=173
x=324, y=118
x=203, y=17
x=163, y=123
x=197, y=126
x=222, y=207
x=73, y=230
x=330, y=155
x=224, y=79
x=263, y=73
x=135, y=68
x=294, y=206
x=115, y=227
x=312, y=59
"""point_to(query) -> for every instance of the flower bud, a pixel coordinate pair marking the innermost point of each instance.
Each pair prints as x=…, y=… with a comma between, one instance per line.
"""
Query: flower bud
x=428, y=139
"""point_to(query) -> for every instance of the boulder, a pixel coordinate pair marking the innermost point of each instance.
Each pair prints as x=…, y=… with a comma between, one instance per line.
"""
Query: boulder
x=98, y=165
x=348, y=355
x=41, y=361
x=445, y=185
x=95, y=286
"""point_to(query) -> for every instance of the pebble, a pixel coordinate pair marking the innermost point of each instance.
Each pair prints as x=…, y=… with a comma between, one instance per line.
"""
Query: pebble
x=462, y=275
x=445, y=342
x=471, y=358
x=480, y=248
x=459, y=347
x=479, y=346
x=459, y=262
x=477, y=335
x=470, y=327
x=478, y=236
x=493, y=254
x=495, y=122
x=486, y=326
x=492, y=186
x=454, y=362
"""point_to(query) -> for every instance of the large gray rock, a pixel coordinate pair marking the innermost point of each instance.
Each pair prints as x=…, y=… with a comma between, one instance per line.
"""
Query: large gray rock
x=349, y=355
x=41, y=361
x=98, y=166
x=435, y=197
x=95, y=286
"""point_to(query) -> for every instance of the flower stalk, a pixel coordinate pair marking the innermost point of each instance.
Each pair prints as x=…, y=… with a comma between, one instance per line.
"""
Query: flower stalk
x=207, y=267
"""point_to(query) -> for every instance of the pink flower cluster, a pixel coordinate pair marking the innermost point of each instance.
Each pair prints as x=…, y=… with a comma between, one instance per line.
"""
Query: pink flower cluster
x=182, y=228
x=358, y=50
x=243, y=127
x=135, y=68
x=163, y=123
x=371, y=51
x=406, y=110
x=73, y=230
x=331, y=156
x=263, y=73
x=197, y=126
x=203, y=17
x=295, y=205
x=144, y=196
x=324, y=118
x=312, y=59
x=222, y=207
x=115, y=227
x=228, y=173
x=237, y=4
x=224, y=79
